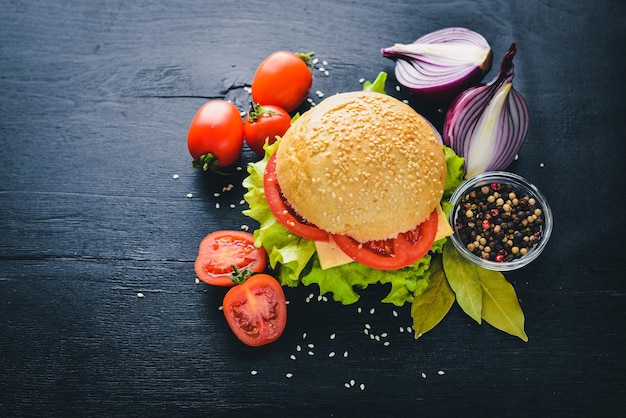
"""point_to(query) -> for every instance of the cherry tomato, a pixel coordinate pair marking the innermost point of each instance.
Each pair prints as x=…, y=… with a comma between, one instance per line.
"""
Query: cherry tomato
x=215, y=137
x=283, y=79
x=281, y=209
x=395, y=253
x=256, y=310
x=221, y=250
x=264, y=123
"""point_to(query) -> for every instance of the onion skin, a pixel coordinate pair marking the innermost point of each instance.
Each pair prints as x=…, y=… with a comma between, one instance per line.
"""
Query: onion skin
x=441, y=64
x=488, y=124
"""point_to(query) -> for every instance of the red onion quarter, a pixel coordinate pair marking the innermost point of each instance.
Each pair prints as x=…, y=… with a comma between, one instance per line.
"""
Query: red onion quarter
x=441, y=64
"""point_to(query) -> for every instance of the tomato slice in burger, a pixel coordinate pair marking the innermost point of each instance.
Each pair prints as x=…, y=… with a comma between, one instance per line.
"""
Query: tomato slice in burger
x=393, y=253
x=256, y=310
x=283, y=212
x=221, y=250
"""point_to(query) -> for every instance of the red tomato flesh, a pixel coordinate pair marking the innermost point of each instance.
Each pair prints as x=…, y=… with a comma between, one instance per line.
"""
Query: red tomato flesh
x=283, y=212
x=283, y=79
x=394, y=253
x=220, y=250
x=256, y=310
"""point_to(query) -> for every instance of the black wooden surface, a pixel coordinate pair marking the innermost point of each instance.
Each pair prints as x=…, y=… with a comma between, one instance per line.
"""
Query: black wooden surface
x=95, y=102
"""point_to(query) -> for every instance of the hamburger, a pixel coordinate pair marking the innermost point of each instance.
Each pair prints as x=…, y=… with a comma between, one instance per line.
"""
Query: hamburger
x=361, y=175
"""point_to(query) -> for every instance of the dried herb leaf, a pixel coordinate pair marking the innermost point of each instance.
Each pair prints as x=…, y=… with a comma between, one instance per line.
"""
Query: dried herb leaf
x=433, y=304
x=501, y=307
x=463, y=278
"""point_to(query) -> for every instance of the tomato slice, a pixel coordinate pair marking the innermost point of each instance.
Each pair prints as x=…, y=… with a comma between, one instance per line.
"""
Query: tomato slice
x=220, y=250
x=394, y=253
x=282, y=210
x=256, y=310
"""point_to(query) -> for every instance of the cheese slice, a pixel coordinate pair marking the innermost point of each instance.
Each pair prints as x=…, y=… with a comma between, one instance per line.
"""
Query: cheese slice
x=443, y=226
x=330, y=255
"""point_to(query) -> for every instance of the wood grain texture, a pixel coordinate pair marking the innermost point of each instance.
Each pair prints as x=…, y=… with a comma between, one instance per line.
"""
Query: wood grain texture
x=95, y=102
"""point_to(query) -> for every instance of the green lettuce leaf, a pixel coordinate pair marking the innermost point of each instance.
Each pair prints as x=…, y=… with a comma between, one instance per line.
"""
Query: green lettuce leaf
x=283, y=248
x=456, y=171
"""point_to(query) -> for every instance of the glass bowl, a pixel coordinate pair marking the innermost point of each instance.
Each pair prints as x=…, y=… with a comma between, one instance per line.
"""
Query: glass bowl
x=469, y=213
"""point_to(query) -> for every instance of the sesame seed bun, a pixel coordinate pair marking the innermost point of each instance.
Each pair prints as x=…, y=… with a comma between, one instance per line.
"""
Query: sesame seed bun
x=362, y=164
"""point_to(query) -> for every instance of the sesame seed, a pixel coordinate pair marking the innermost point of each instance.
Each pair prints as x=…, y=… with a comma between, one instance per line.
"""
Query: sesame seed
x=386, y=343
x=304, y=335
x=326, y=73
x=139, y=295
x=175, y=176
x=217, y=206
x=298, y=347
x=345, y=354
x=397, y=88
x=232, y=206
x=220, y=308
x=245, y=228
x=366, y=331
x=189, y=195
x=315, y=61
x=361, y=80
x=347, y=385
x=332, y=336
x=352, y=382
x=311, y=353
x=359, y=310
x=331, y=354
x=368, y=326
x=401, y=329
x=423, y=375
x=289, y=375
x=293, y=357
x=372, y=311
x=311, y=345
x=216, y=194
x=197, y=281
x=395, y=313
x=324, y=62
x=541, y=165
x=362, y=386
x=441, y=372
x=253, y=372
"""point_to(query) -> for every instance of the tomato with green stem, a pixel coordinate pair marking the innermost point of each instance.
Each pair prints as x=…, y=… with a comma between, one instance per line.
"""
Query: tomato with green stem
x=264, y=123
x=255, y=309
x=283, y=79
x=215, y=136
x=219, y=251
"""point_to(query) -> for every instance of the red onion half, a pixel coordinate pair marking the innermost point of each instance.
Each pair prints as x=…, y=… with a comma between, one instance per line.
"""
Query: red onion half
x=488, y=124
x=443, y=63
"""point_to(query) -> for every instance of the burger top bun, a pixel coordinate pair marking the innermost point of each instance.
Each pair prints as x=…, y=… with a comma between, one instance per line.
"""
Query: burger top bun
x=362, y=164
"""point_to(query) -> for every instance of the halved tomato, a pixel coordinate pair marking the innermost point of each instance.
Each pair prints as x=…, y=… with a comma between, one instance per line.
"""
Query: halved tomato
x=256, y=310
x=394, y=253
x=283, y=212
x=221, y=250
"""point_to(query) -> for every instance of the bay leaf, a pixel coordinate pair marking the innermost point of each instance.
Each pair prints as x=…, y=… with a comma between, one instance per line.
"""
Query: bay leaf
x=434, y=302
x=501, y=307
x=463, y=279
